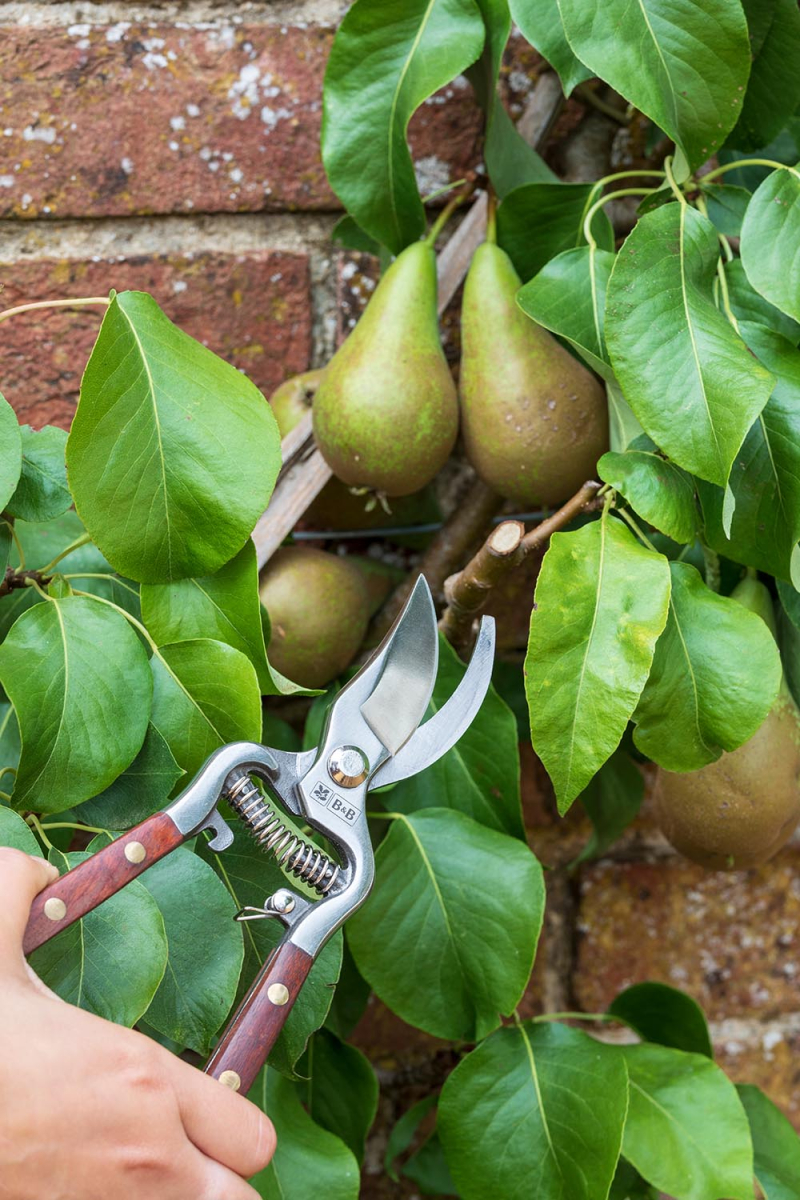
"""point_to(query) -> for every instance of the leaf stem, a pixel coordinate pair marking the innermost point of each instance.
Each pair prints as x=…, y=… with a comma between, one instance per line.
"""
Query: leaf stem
x=103, y=575
x=74, y=825
x=74, y=303
x=136, y=624
x=382, y=816
x=598, y=204
x=18, y=544
x=5, y=796
x=491, y=217
x=626, y=516
x=79, y=541
x=725, y=295
x=442, y=191
x=7, y=770
x=36, y=824
x=30, y=582
x=676, y=191
x=743, y=162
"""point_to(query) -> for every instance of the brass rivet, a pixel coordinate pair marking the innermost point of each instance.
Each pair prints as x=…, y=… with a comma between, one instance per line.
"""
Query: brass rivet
x=278, y=993
x=135, y=852
x=230, y=1079
x=55, y=909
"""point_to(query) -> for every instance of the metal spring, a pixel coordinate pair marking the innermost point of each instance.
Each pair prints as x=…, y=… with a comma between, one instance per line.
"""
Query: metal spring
x=303, y=859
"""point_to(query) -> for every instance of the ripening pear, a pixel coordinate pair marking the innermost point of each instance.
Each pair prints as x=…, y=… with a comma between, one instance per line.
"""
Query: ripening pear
x=294, y=398
x=740, y=810
x=535, y=421
x=386, y=413
x=318, y=605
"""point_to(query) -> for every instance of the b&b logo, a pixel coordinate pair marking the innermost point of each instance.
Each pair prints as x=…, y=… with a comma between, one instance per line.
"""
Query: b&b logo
x=327, y=796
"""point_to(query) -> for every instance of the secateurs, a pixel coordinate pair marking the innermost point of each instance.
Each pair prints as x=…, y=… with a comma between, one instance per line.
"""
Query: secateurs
x=372, y=737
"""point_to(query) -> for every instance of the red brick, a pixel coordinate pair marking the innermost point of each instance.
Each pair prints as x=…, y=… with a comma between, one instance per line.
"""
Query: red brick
x=254, y=309
x=730, y=940
x=154, y=118
x=769, y=1058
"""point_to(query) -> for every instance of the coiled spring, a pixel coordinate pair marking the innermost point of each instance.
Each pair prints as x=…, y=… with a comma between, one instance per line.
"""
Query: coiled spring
x=303, y=859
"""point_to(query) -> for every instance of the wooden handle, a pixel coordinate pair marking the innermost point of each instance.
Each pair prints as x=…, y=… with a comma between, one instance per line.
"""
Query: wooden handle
x=85, y=886
x=253, y=1031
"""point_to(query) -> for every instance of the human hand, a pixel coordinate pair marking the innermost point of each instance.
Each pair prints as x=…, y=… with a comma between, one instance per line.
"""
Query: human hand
x=89, y=1110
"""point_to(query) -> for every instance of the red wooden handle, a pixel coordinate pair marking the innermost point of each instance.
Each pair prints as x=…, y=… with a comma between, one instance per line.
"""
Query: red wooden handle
x=253, y=1031
x=85, y=886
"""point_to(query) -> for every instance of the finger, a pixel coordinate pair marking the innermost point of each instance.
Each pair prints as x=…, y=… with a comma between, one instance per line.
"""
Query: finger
x=221, y=1184
x=222, y=1124
x=22, y=877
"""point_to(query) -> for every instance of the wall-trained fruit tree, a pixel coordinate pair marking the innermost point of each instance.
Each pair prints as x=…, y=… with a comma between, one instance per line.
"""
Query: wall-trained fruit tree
x=626, y=414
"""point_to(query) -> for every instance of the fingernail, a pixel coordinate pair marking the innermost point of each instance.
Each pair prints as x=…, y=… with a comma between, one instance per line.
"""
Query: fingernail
x=51, y=867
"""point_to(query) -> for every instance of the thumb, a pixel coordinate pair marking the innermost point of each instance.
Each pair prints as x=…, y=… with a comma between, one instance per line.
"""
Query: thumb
x=22, y=877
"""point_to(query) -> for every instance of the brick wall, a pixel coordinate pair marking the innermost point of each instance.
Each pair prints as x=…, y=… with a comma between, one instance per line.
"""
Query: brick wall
x=174, y=148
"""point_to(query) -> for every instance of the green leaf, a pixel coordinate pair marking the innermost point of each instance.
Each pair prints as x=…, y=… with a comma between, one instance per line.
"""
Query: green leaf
x=138, y=792
x=611, y=800
x=112, y=961
x=540, y=220
x=80, y=683
x=350, y=998
x=657, y=490
x=765, y=480
x=42, y=492
x=510, y=160
x=349, y=234
x=9, y=742
x=11, y=457
x=536, y=1110
x=204, y=695
x=205, y=951
x=307, y=1156
x=684, y=64
x=428, y=1168
x=450, y=956
x=387, y=58
x=173, y=453
x=715, y=676
x=339, y=1088
x=677, y=358
x=224, y=606
x=277, y=684
x=480, y=775
x=770, y=237
x=15, y=832
x=629, y=1185
x=775, y=1143
x=727, y=205
x=773, y=89
x=278, y=733
x=601, y=603
x=568, y=297
x=250, y=876
x=404, y=1131
x=686, y=1131
x=540, y=22
x=664, y=1015
x=748, y=305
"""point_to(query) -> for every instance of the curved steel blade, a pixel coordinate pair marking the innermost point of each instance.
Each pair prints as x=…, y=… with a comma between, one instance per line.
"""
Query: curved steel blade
x=401, y=696
x=443, y=730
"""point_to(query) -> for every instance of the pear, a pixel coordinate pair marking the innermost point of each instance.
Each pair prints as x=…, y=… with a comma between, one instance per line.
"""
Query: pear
x=739, y=811
x=535, y=421
x=318, y=605
x=386, y=412
x=337, y=507
x=293, y=399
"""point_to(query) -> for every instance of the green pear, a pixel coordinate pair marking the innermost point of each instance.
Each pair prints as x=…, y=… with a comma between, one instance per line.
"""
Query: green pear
x=318, y=605
x=294, y=398
x=386, y=412
x=535, y=421
x=739, y=811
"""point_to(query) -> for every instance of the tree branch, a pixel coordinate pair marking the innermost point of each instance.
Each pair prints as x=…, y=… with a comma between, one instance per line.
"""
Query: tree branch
x=467, y=593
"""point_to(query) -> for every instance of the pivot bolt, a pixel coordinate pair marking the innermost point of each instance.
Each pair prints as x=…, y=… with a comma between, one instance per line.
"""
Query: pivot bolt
x=348, y=767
